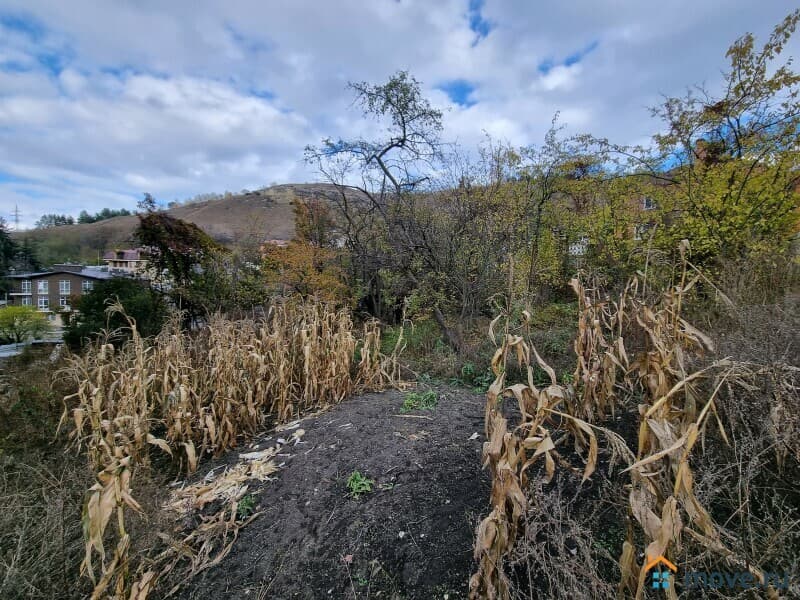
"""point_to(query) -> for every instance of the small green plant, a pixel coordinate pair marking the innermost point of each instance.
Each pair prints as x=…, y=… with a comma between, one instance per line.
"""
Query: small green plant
x=482, y=382
x=246, y=506
x=468, y=372
x=359, y=484
x=420, y=401
x=473, y=378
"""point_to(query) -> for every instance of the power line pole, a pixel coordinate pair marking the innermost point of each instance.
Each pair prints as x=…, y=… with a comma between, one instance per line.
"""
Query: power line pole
x=16, y=217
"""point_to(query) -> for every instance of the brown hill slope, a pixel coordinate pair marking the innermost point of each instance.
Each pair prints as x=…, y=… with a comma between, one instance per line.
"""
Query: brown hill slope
x=240, y=220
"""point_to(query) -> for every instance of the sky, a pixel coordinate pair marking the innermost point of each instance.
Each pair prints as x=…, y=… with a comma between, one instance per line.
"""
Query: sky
x=101, y=101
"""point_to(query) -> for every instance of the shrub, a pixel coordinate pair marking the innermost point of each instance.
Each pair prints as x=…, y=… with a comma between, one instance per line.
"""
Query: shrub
x=146, y=306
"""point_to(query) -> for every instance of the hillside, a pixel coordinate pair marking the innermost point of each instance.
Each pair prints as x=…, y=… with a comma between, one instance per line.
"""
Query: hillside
x=240, y=220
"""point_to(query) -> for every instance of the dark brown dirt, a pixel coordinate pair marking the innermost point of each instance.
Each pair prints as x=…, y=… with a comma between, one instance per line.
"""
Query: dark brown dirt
x=411, y=537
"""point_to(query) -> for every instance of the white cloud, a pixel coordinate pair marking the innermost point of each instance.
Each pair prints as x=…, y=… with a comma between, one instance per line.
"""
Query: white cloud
x=561, y=77
x=101, y=101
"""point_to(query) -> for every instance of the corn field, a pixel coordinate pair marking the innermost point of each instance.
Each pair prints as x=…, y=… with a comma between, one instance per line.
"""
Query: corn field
x=629, y=352
x=191, y=395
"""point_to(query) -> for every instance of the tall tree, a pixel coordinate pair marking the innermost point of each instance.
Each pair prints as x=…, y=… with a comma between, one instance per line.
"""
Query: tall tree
x=737, y=153
x=394, y=170
x=187, y=263
x=141, y=302
x=147, y=204
x=53, y=220
x=8, y=248
x=8, y=253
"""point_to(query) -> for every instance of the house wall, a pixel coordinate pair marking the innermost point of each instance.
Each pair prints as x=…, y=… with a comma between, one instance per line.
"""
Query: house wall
x=129, y=266
x=17, y=297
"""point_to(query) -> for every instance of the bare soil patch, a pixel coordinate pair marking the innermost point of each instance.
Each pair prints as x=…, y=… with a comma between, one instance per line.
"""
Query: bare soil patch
x=410, y=537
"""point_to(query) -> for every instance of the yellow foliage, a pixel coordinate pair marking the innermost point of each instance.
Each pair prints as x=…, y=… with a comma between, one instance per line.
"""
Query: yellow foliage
x=307, y=270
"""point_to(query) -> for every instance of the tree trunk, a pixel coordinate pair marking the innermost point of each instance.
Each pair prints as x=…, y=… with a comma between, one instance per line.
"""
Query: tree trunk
x=451, y=336
x=534, y=254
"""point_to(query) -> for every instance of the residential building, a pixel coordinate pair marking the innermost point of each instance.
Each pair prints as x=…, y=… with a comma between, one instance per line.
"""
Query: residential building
x=131, y=261
x=51, y=292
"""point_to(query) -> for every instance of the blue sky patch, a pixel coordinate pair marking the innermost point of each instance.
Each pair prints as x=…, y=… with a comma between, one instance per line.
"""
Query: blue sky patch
x=12, y=66
x=578, y=56
x=52, y=62
x=6, y=178
x=29, y=27
x=459, y=91
x=477, y=23
x=547, y=64
x=250, y=44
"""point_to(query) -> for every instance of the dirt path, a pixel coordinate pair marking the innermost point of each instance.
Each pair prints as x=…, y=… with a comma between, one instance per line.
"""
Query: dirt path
x=411, y=537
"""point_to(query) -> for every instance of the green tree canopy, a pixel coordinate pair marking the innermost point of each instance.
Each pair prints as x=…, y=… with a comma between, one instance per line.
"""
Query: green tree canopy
x=20, y=323
x=53, y=220
x=146, y=306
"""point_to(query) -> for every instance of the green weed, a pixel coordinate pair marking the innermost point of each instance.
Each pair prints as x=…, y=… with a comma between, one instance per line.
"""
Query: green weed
x=246, y=507
x=359, y=484
x=420, y=401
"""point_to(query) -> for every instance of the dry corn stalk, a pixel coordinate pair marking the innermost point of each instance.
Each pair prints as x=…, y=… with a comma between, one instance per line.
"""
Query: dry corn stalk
x=600, y=349
x=545, y=416
x=672, y=419
x=201, y=393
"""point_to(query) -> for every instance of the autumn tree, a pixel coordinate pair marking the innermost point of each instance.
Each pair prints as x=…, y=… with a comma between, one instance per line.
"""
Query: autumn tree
x=724, y=170
x=737, y=153
x=553, y=185
x=305, y=269
x=182, y=257
x=313, y=222
x=394, y=175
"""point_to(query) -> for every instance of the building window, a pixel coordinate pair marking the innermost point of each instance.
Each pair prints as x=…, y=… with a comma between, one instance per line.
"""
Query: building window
x=44, y=303
x=63, y=287
x=63, y=301
x=26, y=301
x=579, y=247
x=648, y=203
x=642, y=231
x=42, y=287
x=86, y=286
x=26, y=286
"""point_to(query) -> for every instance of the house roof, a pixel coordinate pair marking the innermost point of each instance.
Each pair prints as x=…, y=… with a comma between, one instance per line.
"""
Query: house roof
x=86, y=272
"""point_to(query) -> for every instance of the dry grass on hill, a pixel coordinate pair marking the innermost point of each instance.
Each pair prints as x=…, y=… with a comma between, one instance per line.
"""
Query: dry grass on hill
x=240, y=220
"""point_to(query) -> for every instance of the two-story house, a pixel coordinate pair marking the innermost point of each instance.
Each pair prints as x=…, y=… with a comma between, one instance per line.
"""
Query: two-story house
x=132, y=261
x=51, y=291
